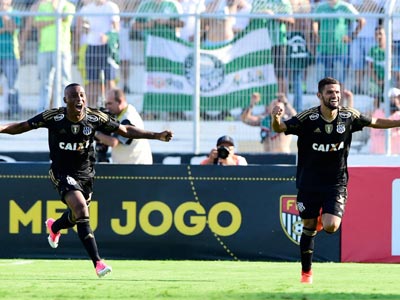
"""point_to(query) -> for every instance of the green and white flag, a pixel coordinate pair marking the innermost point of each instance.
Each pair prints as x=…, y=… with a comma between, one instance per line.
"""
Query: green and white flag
x=228, y=74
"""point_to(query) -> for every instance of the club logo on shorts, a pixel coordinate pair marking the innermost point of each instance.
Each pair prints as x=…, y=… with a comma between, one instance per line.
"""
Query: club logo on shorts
x=75, y=129
x=290, y=219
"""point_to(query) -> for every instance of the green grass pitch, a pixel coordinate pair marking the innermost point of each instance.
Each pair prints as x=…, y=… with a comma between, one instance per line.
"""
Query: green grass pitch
x=192, y=280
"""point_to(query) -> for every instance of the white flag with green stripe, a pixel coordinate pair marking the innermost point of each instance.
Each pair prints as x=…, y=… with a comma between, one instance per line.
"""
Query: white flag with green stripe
x=228, y=74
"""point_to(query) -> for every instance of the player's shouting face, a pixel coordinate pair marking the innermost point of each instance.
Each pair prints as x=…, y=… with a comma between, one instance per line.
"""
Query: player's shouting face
x=330, y=96
x=75, y=99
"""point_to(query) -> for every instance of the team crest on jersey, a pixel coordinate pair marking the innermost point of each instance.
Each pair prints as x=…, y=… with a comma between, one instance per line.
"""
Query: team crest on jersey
x=59, y=117
x=345, y=114
x=87, y=130
x=290, y=219
x=75, y=129
x=328, y=128
x=92, y=118
x=340, y=127
x=314, y=117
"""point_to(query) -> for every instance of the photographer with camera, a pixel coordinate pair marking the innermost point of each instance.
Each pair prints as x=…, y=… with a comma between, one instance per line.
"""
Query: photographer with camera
x=224, y=154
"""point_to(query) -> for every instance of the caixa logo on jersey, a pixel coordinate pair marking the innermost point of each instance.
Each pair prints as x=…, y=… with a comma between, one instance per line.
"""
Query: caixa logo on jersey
x=212, y=72
x=290, y=219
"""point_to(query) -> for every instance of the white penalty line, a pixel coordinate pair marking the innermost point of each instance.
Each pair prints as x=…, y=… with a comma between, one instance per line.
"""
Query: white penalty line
x=16, y=263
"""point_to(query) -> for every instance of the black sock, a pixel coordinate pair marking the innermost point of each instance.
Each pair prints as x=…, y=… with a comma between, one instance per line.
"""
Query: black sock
x=86, y=236
x=63, y=222
x=307, y=248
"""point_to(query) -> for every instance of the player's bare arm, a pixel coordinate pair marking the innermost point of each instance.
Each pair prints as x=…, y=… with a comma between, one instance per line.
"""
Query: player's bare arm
x=15, y=128
x=277, y=124
x=384, y=123
x=133, y=132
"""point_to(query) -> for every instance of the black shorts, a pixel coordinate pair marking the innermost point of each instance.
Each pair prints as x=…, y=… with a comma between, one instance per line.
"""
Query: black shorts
x=332, y=201
x=65, y=183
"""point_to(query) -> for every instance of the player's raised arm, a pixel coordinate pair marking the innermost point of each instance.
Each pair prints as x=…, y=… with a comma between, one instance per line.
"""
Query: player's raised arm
x=381, y=123
x=133, y=132
x=277, y=124
x=15, y=128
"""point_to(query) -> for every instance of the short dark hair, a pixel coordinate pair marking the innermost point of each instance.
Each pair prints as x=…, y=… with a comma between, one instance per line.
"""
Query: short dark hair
x=71, y=85
x=325, y=81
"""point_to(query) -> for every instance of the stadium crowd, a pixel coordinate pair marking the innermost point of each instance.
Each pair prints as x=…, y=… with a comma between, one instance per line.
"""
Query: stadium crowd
x=97, y=37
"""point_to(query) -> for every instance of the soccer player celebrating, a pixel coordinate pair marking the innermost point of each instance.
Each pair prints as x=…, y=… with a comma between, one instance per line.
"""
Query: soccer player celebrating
x=71, y=135
x=324, y=138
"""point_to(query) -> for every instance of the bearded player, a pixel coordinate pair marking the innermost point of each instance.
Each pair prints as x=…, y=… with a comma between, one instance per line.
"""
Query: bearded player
x=324, y=138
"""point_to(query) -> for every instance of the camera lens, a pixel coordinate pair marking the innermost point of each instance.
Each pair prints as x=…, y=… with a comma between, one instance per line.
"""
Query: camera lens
x=223, y=152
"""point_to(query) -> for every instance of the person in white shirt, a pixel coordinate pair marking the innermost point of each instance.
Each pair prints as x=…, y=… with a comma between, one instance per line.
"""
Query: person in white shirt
x=190, y=7
x=101, y=21
x=124, y=150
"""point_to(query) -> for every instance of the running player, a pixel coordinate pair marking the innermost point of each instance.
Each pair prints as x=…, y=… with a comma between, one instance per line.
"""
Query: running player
x=324, y=137
x=71, y=134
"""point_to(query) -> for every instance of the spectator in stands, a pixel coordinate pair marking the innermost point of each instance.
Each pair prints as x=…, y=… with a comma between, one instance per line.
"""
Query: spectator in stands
x=243, y=8
x=124, y=150
x=347, y=98
x=81, y=31
x=364, y=41
x=160, y=24
x=46, y=26
x=333, y=37
x=224, y=154
x=220, y=30
x=376, y=66
x=28, y=26
x=278, y=34
x=190, y=7
x=273, y=142
x=9, y=55
x=377, y=140
x=300, y=50
x=102, y=22
x=396, y=47
x=125, y=48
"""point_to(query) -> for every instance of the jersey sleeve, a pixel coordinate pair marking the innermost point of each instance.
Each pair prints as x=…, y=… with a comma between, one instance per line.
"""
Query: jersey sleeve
x=360, y=122
x=42, y=119
x=293, y=126
x=106, y=123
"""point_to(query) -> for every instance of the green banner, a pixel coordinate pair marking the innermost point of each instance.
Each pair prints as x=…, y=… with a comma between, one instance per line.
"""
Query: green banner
x=228, y=74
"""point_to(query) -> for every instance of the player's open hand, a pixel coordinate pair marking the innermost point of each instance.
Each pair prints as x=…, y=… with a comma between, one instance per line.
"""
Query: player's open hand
x=165, y=136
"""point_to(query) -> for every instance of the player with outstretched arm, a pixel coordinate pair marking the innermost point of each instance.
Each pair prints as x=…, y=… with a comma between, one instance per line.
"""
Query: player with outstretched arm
x=71, y=131
x=324, y=138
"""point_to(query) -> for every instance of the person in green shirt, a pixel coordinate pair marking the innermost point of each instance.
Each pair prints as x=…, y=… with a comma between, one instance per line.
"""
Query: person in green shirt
x=47, y=55
x=277, y=28
x=376, y=63
x=9, y=55
x=333, y=37
x=166, y=24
